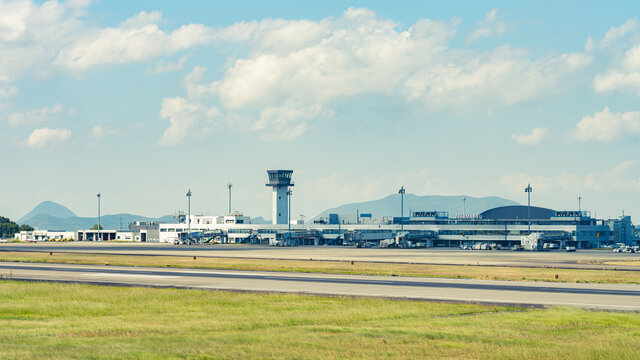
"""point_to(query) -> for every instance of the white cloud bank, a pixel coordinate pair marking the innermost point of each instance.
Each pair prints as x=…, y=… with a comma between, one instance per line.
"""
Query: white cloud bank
x=605, y=126
x=491, y=26
x=136, y=39
x=296, y=69
x=34, y=116
x=44, y=137
x=536, y=136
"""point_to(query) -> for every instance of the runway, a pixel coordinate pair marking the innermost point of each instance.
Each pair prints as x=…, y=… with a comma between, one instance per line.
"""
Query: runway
x=582, y=259
x=598, y=296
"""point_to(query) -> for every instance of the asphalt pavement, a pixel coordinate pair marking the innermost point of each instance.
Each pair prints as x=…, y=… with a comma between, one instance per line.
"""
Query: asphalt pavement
x=598, y=296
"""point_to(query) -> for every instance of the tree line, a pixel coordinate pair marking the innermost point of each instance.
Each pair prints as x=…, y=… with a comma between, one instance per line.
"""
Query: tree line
x=9, y=228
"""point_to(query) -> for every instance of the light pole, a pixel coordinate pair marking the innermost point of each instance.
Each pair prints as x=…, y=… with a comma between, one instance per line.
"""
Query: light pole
x=99, y=195
x=579, y=204
x=289, y=193
x=188, y=214
x=464, y=207
x=528, y=190
x=401, y=192
x=229, y=185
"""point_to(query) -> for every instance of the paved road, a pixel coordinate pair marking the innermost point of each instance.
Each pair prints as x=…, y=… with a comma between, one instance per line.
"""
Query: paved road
x=601, y=296
x=579, y=259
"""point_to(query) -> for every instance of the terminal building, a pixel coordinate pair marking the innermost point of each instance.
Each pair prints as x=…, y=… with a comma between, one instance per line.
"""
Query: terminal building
x=504, y=226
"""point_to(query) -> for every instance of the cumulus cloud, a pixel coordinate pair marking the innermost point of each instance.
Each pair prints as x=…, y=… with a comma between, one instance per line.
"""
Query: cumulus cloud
x=164, y=67
x=624, y=177
x=490, y=26
x=183, y=116
x=536, y=136
x=605, y=126
x=625, y=77
x=289, y=71
x=99, y=131
x=31, y=34
x=614, y=33
x=45, y=137
x=34, y=116
x=136, y=39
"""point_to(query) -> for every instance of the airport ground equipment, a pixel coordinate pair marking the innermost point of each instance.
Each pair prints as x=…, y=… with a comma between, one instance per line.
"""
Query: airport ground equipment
x=298, y=237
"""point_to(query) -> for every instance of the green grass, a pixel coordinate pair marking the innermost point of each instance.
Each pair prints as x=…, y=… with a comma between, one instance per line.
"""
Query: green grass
x=54, y=321
x=337, y=267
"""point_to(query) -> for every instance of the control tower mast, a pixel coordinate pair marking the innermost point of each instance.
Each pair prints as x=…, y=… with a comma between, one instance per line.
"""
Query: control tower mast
x=280, y=181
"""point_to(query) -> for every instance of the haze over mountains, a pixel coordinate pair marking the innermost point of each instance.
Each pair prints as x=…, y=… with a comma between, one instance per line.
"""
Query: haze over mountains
x=53, y=216
x=390, y=205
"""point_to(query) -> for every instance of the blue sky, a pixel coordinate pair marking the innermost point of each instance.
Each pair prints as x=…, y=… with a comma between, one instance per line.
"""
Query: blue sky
x=142, y=100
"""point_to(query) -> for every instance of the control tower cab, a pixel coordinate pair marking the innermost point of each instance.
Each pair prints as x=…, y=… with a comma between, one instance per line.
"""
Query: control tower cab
x=280, y=181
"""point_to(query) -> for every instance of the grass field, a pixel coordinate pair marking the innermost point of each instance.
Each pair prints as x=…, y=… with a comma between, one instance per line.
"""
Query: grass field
x=47, y=320
x=338, y=267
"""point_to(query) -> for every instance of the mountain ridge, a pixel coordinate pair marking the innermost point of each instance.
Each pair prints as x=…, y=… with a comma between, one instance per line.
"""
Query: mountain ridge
x=390, y=205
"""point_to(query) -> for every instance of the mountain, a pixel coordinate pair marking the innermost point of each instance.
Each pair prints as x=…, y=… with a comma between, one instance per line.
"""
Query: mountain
x=390, y=205
x=48, y=208
x=260, y=220
x=108, y=222
x=53, y=216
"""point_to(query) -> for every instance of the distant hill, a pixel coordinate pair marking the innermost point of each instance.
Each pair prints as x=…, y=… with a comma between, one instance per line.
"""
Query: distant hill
x=390, y=205
x=53, y=216
x=108, y=222
x=48, y=208
x=260, y=220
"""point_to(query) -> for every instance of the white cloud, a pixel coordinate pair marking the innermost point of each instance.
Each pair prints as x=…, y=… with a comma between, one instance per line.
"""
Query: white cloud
x=490, y=26
x=614, y=34
x=34, y=116
x=625, y=77
x=536, y=136
x=136, y=39
x=623, y=177
x=184, y=117
x=360, y=55
x=171, y=66
x=7, y=91
x=605, y=126
x=44, y=137
x=99, y=131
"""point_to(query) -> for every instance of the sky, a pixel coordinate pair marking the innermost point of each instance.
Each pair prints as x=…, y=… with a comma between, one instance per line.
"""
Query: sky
x=143, y=100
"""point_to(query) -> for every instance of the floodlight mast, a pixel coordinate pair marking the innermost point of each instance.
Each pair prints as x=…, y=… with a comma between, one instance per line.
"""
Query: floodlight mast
x=188, y=214
x=401, y=192
x=229, y=185
x=528, y=190
x=464, y=207
x=289, y=193
x=580, y=204
x=99, y=195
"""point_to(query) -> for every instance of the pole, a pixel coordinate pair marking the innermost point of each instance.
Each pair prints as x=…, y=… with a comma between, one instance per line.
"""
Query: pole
x=188, y=214
x=579, y=204
x=229, y=185
x=99, y=216
x=289, y=211
x=401, y=192
x=464, y=207
x=528, y=190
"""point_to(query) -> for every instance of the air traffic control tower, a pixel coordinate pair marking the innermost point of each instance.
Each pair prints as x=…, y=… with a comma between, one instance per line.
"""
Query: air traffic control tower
x=280, y=180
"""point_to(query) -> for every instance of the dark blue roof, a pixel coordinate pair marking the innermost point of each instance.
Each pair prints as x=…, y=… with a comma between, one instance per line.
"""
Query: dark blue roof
x=512, y=212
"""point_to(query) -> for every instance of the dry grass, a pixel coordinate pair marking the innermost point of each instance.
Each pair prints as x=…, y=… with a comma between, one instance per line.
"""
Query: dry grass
x=56, y=321
x=337, y=267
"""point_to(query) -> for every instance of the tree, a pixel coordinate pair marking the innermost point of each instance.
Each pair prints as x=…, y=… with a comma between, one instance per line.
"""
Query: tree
x=7, y=227
x=25, y=227
x=95, y=227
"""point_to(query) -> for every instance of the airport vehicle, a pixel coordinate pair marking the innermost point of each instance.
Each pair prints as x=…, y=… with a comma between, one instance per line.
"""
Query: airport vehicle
x=570, y=249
